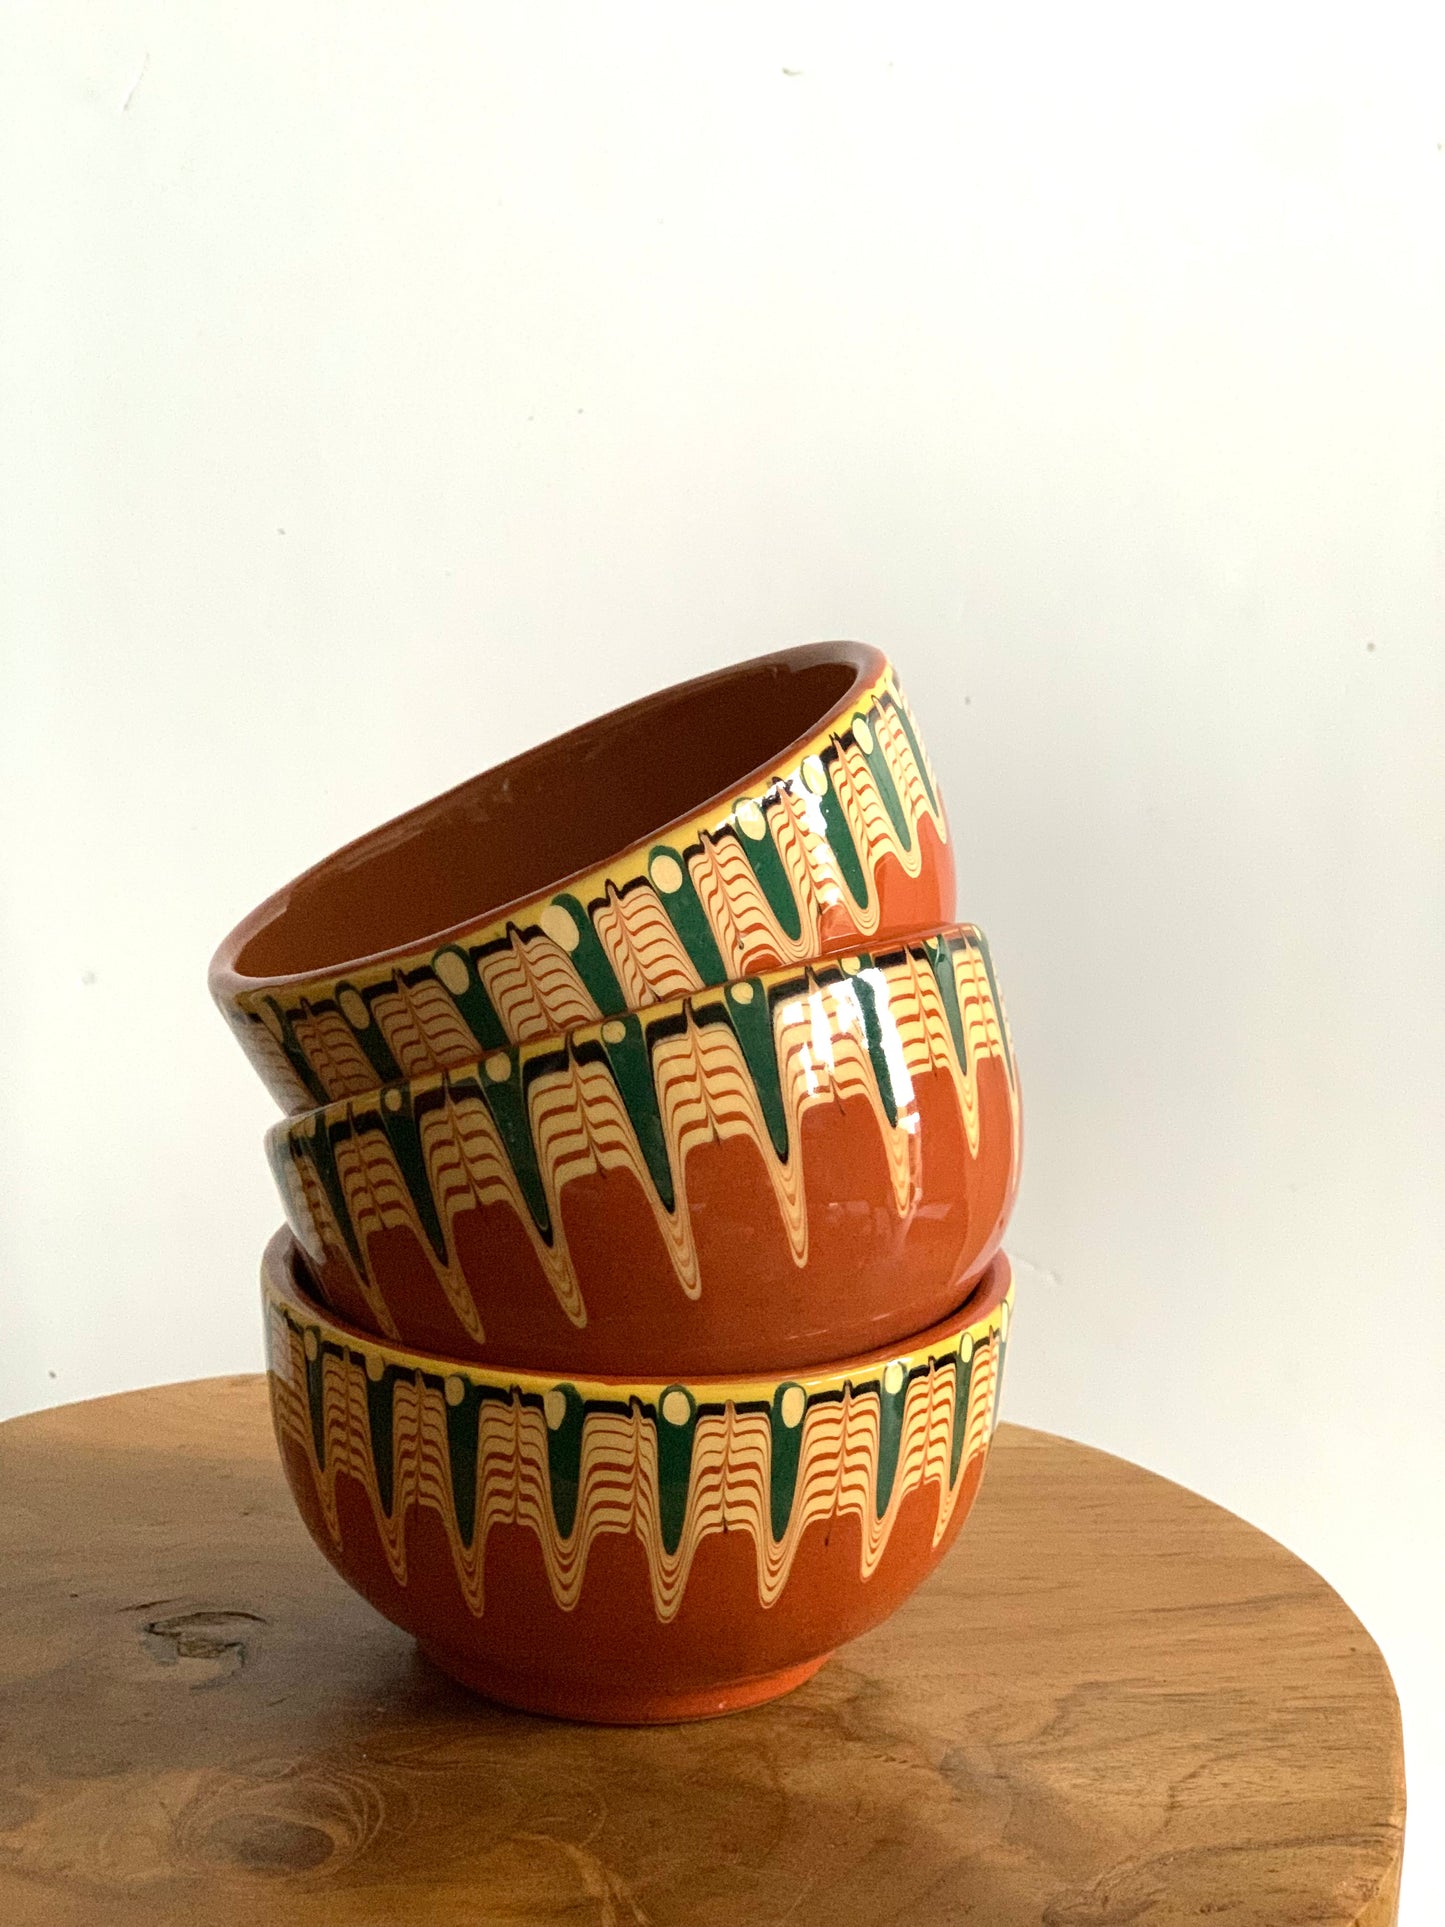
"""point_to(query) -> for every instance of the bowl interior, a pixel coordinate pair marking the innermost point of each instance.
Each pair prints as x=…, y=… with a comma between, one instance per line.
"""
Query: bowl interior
x=551, y=814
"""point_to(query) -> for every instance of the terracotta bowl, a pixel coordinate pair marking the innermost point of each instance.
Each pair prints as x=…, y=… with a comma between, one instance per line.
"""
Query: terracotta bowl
x=630, y=1549
x=774, y=811
x=787, y=1169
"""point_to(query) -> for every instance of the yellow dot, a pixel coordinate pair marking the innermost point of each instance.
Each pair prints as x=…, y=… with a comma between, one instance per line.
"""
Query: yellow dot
x=863, y=735
x=965, y=1347
x=750, y=819
x=455, y=1389
x=742, y=993
x=311, y=1345
x=451, y=969
x=850, y=966
x=613, y=1032
x=499, y=1067
x=392, y=1100
x=893, y=1377
x=353, y=1009
x=792, y=1405
x=676, y=1407
x=554, y=1408
x=814, y=775
x=375, y=1367
x=666, y=873
x=560, y=925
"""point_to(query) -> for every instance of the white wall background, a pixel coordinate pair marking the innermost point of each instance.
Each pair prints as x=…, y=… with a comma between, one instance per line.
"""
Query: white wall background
x=385, y=388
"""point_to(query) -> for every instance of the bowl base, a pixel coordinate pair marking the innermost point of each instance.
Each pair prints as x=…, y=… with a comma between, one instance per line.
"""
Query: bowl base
x=635, y=1705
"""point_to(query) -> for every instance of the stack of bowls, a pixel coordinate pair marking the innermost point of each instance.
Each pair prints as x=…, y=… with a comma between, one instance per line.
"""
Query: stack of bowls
x=651, y=1128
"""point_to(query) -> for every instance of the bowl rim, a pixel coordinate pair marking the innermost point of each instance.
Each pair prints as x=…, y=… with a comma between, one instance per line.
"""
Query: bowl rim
x=833, y=968
x=988, y=1301
x=227, y=982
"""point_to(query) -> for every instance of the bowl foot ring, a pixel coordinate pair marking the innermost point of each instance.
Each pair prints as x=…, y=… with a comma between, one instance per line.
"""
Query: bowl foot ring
x=641, y=1705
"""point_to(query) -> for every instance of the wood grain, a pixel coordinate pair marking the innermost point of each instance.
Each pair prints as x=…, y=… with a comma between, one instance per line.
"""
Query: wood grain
x=1113, y=1704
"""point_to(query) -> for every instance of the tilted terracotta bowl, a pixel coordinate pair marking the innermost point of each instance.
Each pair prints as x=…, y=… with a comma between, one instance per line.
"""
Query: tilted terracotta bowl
x=631, y=1549
x=790, y=1168
x=773, y=811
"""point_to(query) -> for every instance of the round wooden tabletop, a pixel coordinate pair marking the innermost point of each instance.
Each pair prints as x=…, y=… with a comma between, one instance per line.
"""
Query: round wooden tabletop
x=1112, y=1703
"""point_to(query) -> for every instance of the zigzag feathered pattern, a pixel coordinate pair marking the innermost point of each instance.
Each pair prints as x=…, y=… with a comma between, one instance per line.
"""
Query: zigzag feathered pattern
x=843, y=1467
x=854, y=1030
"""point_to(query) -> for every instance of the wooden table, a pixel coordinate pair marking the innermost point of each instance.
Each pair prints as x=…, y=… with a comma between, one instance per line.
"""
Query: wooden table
x=1113, y=1703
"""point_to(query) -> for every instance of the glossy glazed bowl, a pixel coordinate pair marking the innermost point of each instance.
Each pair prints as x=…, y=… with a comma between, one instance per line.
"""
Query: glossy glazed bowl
x=790, y=1168
x=780, y=809
x=631, y=1549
